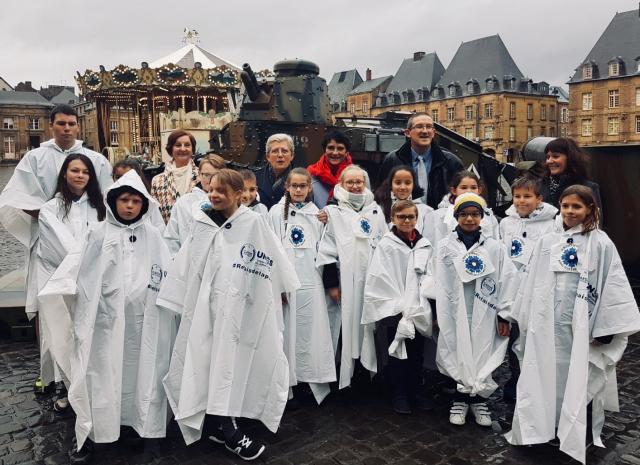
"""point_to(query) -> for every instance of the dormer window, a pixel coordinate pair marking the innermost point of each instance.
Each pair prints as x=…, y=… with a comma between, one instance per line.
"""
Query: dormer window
x=587, y=72
x=452, y=91
x=614, y=68
x=490, y=85
x=470, y=88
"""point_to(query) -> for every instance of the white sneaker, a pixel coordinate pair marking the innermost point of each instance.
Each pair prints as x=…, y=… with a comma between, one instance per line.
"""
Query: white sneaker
x=482, y=414
x=458, y=413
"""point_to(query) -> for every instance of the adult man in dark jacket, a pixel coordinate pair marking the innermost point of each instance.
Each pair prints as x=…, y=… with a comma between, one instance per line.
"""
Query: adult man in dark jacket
x=433, y=166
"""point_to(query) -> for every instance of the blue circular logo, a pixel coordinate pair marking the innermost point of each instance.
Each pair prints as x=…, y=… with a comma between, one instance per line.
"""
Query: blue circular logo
x=296, y=236
x=474, y=264
x=365, y=226
x=205, y=206
x=569, y=258
x=248, y=253
x=516, y=248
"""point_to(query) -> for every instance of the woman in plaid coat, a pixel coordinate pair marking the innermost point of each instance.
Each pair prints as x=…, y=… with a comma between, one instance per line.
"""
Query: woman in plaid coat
x=180, y=174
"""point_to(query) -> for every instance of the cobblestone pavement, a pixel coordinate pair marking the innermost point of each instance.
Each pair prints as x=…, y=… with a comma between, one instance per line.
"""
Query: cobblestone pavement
x=349, y=428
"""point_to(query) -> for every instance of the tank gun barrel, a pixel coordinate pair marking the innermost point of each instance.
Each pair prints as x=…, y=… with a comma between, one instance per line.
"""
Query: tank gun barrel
x=251, y=84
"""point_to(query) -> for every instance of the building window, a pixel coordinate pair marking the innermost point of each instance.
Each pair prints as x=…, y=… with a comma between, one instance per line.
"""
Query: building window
x=490, y=85
x=529, y=111
x=613, y=126
x=471, y=88
x=434, y=115
x=638, y=96
x=552, y=112
x=614, y=68
x=587, y=72
x=7, y=123
x=563, y=132
x=353, y=108
x=114, y=138
x=488, y=110
x=468, y=112
x=543, y=112
x=113, y=125
x=637, y=124
x=468, y=132
x=564, y=115
x=488, y=132
x=543, y=131
x=34, y=123
x=451, y=113
x=365, y=107
x=9, y=146
x=512, y=110
x=452, y=91
x=512, y=133
x=587, y=127
x=614, y=98
x=529, y=132
x=587, y=101
x=552, y=131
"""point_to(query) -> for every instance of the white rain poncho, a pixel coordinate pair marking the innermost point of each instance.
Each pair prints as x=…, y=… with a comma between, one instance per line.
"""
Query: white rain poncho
x=520, y=235
x=575, y=290
x=59, y=235
x=423, y=213
x=122, y=339
x=308, y=341
x=472, y=288
x=226, y=283
x=349, y=239
x=439, y=224
x=394, y=281
x=32, y=184
x=181, y=220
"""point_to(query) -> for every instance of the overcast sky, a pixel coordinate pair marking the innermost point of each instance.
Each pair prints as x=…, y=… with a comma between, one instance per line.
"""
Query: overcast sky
x=46, y=42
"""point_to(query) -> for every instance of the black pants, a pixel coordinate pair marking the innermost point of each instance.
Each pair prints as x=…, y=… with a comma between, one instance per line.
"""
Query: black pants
x=403, y=376
x=514, y=364
x=467, y=398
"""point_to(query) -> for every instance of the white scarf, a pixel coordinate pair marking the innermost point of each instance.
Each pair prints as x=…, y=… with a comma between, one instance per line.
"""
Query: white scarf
x=353, y=201
x=181, y=177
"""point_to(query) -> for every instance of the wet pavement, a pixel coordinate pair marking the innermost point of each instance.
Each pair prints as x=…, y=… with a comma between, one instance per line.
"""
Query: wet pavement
x=351, y=427
x=11, y=251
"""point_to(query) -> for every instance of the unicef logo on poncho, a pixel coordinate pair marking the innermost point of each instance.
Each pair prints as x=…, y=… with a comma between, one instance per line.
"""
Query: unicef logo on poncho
x=474, y=264
x=365, y=226
x=248, y=253
x=569, y=258
x=516, y=248
x=156, y=274
x=205, y=206
x=296, y=236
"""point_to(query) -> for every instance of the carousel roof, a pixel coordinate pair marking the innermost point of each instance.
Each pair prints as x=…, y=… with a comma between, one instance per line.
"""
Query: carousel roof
x=187, y=56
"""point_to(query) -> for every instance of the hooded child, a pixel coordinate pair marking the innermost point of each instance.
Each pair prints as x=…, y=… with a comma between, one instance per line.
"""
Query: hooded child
x=576, y=311
x=476, y=283
x=308, y=340
x=226, y=282
x=355, y=225
x=393, y=301
x=122, y=338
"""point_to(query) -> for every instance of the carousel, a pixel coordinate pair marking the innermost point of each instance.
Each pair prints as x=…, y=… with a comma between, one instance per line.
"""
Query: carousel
x=190, y=89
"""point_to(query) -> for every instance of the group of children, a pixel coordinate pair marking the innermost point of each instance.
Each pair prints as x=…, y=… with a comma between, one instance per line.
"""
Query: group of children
x=231, y=306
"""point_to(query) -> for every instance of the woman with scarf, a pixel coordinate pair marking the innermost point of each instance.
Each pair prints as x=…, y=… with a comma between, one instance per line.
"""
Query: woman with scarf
x=326, y=171
x=565, y=165
x=180, y=174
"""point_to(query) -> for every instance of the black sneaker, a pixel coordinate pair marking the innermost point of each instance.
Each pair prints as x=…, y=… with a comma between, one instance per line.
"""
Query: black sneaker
x=423, y=402
x=400, y=404
x=217, y=436
x=245, y=447
x=82, y=456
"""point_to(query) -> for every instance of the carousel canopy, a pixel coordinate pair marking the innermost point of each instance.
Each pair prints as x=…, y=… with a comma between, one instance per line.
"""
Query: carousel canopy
x=189, y=55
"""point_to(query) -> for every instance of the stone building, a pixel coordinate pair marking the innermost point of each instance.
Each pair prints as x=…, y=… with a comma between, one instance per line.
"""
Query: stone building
x=25, y=123
x=339, y=87
x=361, y=99
x=4, y=85
x=604, y=102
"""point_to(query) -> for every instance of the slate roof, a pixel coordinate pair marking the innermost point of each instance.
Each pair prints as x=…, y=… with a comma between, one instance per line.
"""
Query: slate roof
x=621, y=39
x=561, y=93
x=188, y=55
x=12, y=97
x=481, y=59
x=342, y=83
x=368, y=86
x=65, y=96
x=415, y=74
x=4, y=85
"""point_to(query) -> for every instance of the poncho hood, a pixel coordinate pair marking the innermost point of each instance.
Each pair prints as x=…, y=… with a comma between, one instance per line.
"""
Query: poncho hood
x=132, y=180
x=544, y=212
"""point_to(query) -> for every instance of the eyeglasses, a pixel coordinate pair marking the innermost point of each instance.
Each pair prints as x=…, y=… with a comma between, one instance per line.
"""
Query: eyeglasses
x=422, y=126
x=354, y=183
x=295, y=187
x=406, y=217
x=467, y=215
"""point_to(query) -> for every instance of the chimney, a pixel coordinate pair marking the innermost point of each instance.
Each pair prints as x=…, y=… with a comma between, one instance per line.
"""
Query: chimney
x=417, y=56
x=368, y=74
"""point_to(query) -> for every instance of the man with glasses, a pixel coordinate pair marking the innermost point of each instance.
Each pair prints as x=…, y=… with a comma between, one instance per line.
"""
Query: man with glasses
x=433, y=166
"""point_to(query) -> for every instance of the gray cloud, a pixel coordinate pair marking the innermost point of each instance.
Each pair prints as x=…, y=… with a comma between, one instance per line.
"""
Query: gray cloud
x=47, y=42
